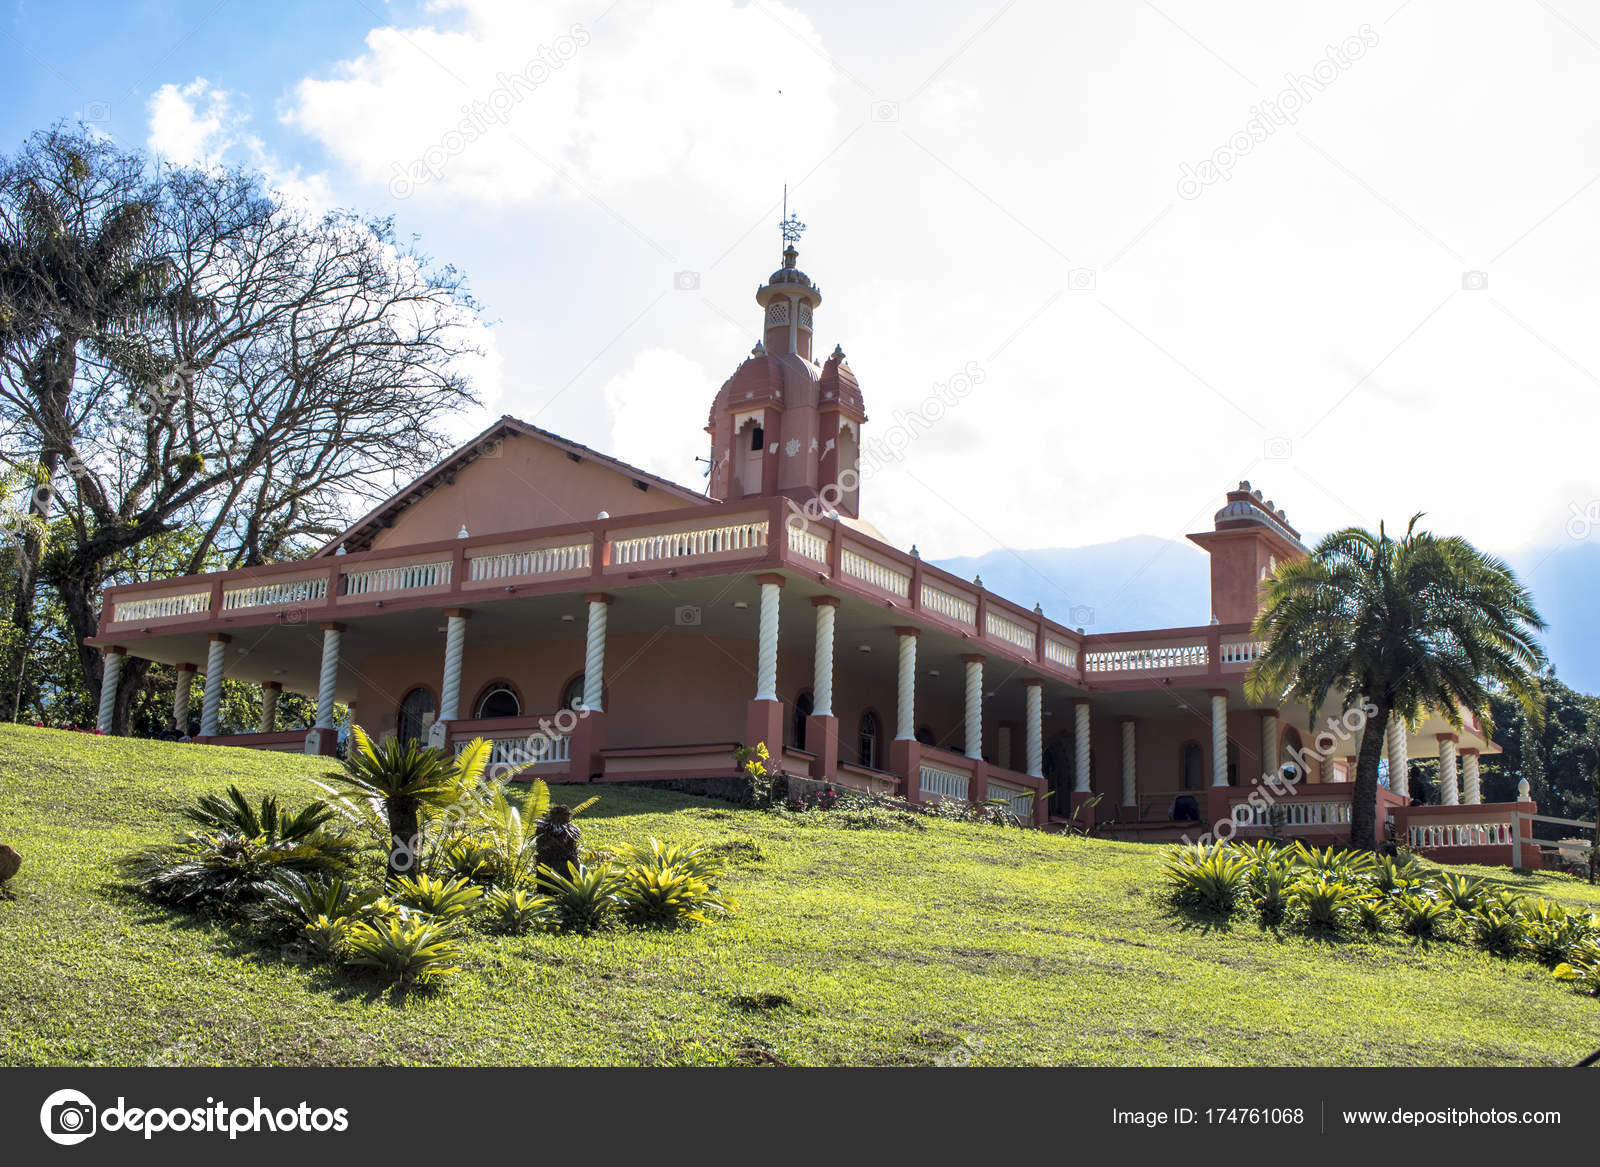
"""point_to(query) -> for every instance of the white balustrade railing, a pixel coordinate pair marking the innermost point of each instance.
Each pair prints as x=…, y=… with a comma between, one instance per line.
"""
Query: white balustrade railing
x=538, y=561
x=1242, y=652
x=162, y=607
x=1488, y=834
x=1056, y=652
x=292, y=591
x=1291, y=813
x=959, y=609
x=524, y=749
x=1018, y=799
x=395, y=579
x=937, y=782
x=1006, y=628
x=808, y=543
x=1166, y=656
x=877, y=574
x=688, y=544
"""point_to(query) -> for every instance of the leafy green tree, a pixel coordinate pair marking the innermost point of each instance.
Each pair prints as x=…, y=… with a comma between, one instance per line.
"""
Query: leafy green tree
x=1396, y=626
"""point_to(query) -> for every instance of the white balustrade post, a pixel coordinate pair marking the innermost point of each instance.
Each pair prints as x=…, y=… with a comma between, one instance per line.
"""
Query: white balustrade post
x=1130, y=791
x=767, y=649
x=328, y=678
x=180, y=699
x=1219, y=737
x=1469, y=776
x=110, y=678
x=905, y=728
x=1269, y=744
x=974, y=705
x=822, y=658
x=1449, y=788
x=594, y=652
x=1080, y=734
x=269, y=706
x=216, y=663
x=1399, y=765
x=1035, y=694
x=455, y=649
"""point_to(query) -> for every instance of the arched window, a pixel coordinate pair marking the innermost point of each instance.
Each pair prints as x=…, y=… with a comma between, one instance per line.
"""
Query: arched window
x=1194, y=766
x=498, y=700
x=803, y=705
x=572, y=695
x=867, y=740
x=750, y=458
x=1288, y=749
x=416, y=715
x=1233, y=762
x=758, y=438
x=849, y=474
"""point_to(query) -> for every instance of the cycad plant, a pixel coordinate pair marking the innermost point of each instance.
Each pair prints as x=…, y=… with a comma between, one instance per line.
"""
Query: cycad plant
x=402, y=780
x=1396, y=627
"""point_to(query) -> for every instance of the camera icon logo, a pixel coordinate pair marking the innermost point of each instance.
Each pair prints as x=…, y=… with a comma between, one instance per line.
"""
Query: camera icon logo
x=686, y=616
x=1277, y=449
x=1081, y=279
x=885, y=111
x=1080, y=616
x=1474, y=281
x=686, y=281
x=96, y=111
x=1584, y=519
x=68, y=1117
x=294, y=616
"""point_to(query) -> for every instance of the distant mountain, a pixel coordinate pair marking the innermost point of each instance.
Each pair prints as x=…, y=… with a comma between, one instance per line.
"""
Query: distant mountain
x=1150, y=582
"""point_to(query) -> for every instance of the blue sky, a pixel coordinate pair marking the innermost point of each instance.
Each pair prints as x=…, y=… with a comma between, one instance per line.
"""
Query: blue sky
x=1342, y=250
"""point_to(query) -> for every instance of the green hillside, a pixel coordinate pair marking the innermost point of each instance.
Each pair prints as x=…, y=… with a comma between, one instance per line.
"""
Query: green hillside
x=952, y=945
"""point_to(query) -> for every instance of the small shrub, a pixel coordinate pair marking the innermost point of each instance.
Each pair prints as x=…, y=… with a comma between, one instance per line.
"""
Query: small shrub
x=584, y=899
x=407, y=951
x=1206, y=879
x=300, y=900
x=1323, y=902
x=326, y=938
x=1269, y=889
x=442, y=899
x=1338, y=862
x=517, y=910
x=1497, y=930
x=1421, y=917
x=669, y=895
x=1582, y=969
x=1461, y=892
x=765, y=786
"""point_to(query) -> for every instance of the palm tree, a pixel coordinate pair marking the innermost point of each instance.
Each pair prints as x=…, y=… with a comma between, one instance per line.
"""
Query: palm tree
x=1401, y=626
x=402, y=779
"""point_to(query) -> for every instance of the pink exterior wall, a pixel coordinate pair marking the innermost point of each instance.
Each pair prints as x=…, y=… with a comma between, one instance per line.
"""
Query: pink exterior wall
x=528, y=483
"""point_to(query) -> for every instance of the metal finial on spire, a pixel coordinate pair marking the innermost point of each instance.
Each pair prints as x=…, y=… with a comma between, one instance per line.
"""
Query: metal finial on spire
x=791, y=227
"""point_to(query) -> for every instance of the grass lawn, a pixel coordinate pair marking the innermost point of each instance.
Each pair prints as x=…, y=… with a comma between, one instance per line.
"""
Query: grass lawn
x=955, y=944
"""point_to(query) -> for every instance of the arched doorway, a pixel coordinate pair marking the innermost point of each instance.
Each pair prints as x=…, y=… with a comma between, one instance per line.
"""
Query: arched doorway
x=498, y=700
x=868, y=737
x=1192, y=765
x=417, y=709
x=803, y=707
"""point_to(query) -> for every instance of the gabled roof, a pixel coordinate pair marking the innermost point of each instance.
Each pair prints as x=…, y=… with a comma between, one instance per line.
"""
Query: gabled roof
x=361, y=533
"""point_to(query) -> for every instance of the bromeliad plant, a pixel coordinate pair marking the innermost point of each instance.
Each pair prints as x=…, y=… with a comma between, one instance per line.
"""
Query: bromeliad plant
x=1325, y=902
x=1208, y=879
x=407, y=949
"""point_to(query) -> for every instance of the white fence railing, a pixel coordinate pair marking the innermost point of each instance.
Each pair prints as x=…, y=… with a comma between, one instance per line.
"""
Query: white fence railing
x=958, y=608
x=396, y=579
x=1291, y=813
x=539, y=561
x=688, y=544
x=1006, y=628
x=1018, y=800
x=525, y=749
x=941, y=783
x=1127, y=660
x=808, y=543
x=292, y=591
x=1060, y=654
x=1491, y=834
x=1242, y=652
x=877, y=574
x=162, y=607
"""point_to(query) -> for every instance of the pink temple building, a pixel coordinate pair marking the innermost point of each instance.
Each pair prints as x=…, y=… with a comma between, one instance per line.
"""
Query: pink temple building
x=615, y=626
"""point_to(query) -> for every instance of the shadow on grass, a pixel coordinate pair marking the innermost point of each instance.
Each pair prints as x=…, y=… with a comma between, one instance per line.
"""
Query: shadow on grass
x=1192, y=918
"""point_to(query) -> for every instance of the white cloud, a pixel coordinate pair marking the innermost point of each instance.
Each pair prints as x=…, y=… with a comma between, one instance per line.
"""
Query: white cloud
x=645, y=405
x=192, y=124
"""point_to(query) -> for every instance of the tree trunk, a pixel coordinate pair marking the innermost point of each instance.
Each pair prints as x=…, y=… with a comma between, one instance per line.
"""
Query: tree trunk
x=57, y=367
x=404, y=837
x=1364, y=799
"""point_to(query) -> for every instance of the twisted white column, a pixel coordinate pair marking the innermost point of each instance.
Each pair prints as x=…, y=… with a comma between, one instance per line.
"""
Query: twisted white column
x=328, y=681
x=594, y=655
x=211, y=706
x=110, y=677
x=767, y=652
x=1399, y=765
x=1449, y=789
x=974, y=709
x=180, y=698
x=1219, y=739
x=1469, y=777
x=455, y=648
x=1269, y=744
x=822, y=668
x=1035, y=694
x=906, y=703
x=1081, y=741
x=1130, y=789
x=269, y=708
